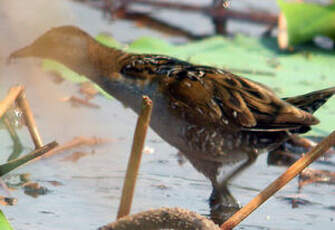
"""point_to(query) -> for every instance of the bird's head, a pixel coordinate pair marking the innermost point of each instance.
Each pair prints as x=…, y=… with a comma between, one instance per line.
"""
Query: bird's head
x=66, y=44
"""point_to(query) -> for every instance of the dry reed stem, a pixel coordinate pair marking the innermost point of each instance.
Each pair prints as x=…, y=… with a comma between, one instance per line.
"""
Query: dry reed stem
x=135, y=157
x=163, y=218
x=16, y=94
x=287, y=176
x=282, y=38
x=12, y=95
x=29, y=119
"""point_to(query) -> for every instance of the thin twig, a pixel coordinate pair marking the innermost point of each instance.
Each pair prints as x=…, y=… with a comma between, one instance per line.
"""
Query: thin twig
x=29, y=119
x=135, y=157
x=171, y=5
x=75, y=142
x=12, y=95
x=216, y=12
x=11, y=165
x=254, y=17
x=290, y=173
x=163, y=218
x=148, y=21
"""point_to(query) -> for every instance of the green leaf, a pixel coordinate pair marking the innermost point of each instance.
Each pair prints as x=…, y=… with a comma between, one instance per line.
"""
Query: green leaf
x=66, y=73
x=4, y=224
x=108, y=41
x=147, y=44
x=50, y=65
x=306, y=20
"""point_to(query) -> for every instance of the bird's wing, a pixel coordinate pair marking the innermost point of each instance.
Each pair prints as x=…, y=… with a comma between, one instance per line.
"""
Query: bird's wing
x=205, y=95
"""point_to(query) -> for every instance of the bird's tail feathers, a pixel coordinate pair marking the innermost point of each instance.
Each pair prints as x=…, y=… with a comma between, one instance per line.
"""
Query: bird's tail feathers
x=311, y=102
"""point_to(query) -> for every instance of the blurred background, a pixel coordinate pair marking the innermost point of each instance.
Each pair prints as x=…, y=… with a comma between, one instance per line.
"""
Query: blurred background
x=83, y=185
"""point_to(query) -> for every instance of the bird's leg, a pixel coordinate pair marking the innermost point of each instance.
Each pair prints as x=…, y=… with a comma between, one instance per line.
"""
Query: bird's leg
x=222, y=203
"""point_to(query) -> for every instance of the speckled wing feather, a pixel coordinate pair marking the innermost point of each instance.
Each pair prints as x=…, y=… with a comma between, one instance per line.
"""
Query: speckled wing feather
x=147, y=67
x=205, y=95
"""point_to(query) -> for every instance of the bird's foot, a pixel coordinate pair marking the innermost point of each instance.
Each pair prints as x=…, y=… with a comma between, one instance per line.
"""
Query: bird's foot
x=223, y=206
x=220, y=212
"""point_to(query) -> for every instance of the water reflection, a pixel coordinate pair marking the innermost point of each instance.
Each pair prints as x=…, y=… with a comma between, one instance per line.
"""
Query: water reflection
x=10, y=121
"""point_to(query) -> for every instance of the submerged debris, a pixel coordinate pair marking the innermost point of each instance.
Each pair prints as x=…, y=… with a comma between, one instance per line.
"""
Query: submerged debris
x=54, y=182
x=309, y=176
x=88, y=90
x=148, y=150
x=7, y=201
x=181, y=159
x=74, y=157
x=34, y=189
x=76, y=142
x=76, y=101
x=296, y=200
x=56, y=77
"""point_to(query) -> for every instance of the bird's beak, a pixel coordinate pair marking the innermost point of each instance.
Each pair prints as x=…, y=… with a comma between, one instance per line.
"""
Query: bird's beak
x=27, y=51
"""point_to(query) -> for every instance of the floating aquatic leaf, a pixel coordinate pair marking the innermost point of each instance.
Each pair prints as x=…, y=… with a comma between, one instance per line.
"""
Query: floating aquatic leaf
x=4, y=224
x=303, y=21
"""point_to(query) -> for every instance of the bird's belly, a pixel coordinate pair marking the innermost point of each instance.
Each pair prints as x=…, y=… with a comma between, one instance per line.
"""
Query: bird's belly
x=194, y=141
x=210, y=143
x=215, y=144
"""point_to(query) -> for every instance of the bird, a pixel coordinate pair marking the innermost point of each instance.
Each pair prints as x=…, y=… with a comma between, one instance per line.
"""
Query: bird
x=213, y=117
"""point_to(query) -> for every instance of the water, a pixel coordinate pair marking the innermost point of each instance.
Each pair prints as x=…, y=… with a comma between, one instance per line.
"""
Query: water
x=90, y=189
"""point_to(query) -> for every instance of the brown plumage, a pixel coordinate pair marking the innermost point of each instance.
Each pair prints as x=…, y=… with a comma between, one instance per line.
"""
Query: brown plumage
x=212, y=116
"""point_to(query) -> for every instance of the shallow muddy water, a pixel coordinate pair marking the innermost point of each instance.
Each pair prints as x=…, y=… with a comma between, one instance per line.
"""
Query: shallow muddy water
x=89, y=191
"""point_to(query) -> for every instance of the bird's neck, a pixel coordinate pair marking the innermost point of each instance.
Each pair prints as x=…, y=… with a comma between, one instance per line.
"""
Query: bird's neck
x=104, y=60
x=130, y=95
x=103, y=66
x=107, y=64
